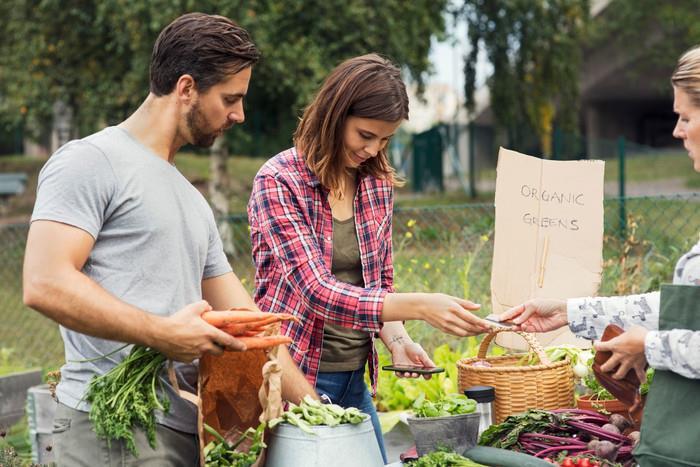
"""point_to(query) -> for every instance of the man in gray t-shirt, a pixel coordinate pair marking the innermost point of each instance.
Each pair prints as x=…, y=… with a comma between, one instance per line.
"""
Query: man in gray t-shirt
x=123, y=249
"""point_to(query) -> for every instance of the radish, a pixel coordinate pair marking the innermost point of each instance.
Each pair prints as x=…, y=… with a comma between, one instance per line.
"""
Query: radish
x=606, y=450
x=620, y=422
x=611, y=428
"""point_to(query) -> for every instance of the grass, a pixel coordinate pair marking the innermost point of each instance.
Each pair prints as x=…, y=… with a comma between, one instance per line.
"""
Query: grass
x=15, y=448
x=195, y=167
x=641, y=168
x=446, y=249
x=242, y=170
x=648, y=167
x=435, y=248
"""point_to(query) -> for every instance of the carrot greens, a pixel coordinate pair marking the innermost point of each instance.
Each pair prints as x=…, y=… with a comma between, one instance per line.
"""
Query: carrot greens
x=127, y=396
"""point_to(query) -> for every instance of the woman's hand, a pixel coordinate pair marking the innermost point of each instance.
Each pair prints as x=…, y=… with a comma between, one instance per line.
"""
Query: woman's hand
x=538, y=315
x=627, y=353
x=410, y=354
x=453, y=315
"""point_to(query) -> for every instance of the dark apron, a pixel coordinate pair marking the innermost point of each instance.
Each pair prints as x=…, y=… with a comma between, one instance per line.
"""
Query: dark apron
x=670, y=434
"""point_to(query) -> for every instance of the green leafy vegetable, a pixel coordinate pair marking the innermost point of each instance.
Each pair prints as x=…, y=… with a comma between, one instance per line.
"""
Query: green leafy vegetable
x=221, y=453
x=127, y=395
x=644, y=388
x=506, y=434
x=313, y=413
x=443, y=458
x=451, y=404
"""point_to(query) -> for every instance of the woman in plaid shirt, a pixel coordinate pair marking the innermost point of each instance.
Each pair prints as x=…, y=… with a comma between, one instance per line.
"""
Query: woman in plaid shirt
x=321, y=218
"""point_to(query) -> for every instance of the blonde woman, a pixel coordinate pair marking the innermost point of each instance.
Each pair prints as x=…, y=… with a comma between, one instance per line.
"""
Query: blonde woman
x=662, y=333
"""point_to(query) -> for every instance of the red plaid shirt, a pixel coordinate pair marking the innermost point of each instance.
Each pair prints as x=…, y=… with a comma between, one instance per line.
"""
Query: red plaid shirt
x=291, y=228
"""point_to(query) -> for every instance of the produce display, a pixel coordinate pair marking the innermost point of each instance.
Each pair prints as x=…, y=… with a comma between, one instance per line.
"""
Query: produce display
x=451, y=404
x=128, y=394
x=584, y=437
x=311, y=412
x=221, y=453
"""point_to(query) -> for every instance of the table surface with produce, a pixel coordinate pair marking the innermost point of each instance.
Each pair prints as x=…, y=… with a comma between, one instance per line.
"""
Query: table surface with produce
x=583, y=433
x=444, y=427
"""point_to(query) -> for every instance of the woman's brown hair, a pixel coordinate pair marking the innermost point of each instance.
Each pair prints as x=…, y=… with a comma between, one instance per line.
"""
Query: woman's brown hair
x=369, y=86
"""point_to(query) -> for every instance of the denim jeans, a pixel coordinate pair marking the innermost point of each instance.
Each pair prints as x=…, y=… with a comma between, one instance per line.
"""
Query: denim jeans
x=348, y=389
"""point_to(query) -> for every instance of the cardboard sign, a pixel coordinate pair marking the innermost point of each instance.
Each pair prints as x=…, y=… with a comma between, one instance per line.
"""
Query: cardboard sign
x=548, y=237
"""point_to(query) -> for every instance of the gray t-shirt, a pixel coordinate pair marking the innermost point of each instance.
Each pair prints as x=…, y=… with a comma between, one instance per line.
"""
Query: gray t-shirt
x=155, y=240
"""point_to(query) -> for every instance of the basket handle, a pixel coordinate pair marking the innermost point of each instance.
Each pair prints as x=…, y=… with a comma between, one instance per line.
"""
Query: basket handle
x=529, y=338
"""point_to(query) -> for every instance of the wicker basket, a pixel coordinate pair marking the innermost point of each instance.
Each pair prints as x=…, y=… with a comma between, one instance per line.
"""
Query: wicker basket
x=518, y=388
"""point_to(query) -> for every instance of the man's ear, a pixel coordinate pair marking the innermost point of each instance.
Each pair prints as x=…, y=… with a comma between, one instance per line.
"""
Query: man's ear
x=185, y=88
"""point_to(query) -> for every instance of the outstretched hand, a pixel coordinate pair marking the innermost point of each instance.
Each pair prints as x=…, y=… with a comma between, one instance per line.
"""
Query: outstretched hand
x=454, y=315
x=538, y=315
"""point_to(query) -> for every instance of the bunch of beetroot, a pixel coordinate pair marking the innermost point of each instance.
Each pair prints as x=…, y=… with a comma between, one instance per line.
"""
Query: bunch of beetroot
x=558, y=433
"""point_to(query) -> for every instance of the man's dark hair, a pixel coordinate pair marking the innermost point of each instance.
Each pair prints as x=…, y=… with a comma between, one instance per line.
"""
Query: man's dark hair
x=210, y=48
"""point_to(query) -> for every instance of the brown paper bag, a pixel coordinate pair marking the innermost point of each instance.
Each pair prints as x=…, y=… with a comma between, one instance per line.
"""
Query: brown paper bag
x=237, y=391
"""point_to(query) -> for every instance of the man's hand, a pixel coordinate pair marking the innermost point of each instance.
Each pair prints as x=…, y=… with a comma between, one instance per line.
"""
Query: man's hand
x=410, y=354
x=538, y=315
x=627, y=353
x=185, y=336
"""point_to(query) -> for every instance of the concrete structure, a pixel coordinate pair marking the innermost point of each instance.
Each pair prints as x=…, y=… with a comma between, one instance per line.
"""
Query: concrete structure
x=624, y=93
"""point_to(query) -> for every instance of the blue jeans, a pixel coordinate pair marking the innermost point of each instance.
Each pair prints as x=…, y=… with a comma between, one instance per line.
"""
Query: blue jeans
x=348, y=389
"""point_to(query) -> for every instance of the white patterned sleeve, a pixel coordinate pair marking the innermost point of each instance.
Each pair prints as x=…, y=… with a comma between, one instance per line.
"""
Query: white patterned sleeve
x=677, y=350
x=588, y=316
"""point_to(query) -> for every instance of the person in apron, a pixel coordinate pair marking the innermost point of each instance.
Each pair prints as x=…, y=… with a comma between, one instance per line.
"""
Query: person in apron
x=662, y=328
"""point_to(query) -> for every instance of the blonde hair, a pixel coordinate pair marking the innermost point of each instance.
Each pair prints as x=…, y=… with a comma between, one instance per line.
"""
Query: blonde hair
x=686, y=76
x=369, y=86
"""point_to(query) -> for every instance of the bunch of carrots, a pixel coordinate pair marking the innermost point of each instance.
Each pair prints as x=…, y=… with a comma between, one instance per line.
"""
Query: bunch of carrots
x=249, y=326
x=128, y=394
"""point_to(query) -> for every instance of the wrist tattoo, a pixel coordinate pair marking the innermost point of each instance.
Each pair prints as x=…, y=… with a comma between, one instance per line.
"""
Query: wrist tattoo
x=395, y=340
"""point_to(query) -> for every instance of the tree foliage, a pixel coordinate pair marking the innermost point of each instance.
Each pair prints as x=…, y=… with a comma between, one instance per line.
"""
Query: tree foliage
x=94, y=54
x=535, y=49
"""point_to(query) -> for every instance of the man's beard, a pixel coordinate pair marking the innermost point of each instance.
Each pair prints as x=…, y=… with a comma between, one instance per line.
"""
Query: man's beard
x=196, y=123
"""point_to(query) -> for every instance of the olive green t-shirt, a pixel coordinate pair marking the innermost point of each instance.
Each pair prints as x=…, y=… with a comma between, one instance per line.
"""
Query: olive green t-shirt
x=345, y=349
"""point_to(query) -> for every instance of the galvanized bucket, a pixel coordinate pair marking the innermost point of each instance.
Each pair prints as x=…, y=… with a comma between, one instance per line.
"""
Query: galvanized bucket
x=458, y=432
x=344, y=445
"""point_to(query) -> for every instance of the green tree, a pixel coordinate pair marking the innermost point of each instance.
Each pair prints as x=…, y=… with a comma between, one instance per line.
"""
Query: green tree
x=93, y=55
x=535, y=48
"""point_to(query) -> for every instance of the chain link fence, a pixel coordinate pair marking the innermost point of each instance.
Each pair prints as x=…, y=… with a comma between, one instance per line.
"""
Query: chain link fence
x=466, y=158
x=436, y=249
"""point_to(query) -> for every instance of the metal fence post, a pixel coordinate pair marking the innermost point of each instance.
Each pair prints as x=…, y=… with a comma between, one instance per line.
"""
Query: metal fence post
x=621, y=183
x=472, y=161
x=556, y=142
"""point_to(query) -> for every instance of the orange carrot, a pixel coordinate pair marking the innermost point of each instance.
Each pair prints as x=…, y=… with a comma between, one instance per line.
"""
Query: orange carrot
x=237, y=319
x=264, y=342
x=224, y=318
x=242, y=329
